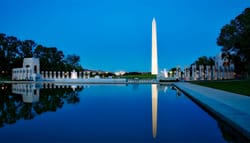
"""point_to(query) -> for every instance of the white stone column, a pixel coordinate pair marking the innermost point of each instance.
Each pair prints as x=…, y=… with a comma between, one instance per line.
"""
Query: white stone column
x=232, y=71
x=42, y=74
x=46, y=74
x=219, y=73
x=79, y=75
x=84, y=75
x=215, y=73
x=18, y=74
x=45, y=85
x=67, y=75
x=55, y=77
x=88, y=74
x=208, y=72
x=226, y=72
x=73, y=75
x=50, y=74
x=222, y=72
x=201, y=69
x=59, y=75
x=21, y=74
x=178, y=69
x=63, y=75
x=193, y=72
x=188, y=74
x=50, y=85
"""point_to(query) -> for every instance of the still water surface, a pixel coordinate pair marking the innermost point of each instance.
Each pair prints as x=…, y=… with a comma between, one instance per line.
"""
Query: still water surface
x=102, y=113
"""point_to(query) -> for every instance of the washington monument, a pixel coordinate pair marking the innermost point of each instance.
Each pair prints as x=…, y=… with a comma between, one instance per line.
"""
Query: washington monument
x=154, y=64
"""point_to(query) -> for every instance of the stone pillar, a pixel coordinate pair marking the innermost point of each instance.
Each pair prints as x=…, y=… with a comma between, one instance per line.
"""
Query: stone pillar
x=78, y=74
x=18, y=74
x=67, y=75
x=50, y=85
x=232, y=71
x=87, y=75
x=55, y=75
x=50, y=74
x=63, y=75
x=179, y=73
x=46, y=85
x=208, y=72
x=201, y=68
x=59, y=75
x=226, y=72
x=188, y=73
x=193, y=72
x=21, y=74
x=223, y=73
x=42, y=74
x=214, y=73
x=219, y=73
x=73, y=75
x=185, y=73
x=46, y=74
x=84, y=75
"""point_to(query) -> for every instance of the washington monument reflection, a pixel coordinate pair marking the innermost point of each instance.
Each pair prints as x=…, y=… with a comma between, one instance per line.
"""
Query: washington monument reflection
x=154, y=108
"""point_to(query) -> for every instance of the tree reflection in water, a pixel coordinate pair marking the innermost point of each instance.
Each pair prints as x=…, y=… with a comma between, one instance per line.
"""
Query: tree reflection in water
x=25, y=101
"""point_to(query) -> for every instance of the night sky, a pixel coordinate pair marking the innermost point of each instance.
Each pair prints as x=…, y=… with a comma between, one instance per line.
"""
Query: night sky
x=115, y=35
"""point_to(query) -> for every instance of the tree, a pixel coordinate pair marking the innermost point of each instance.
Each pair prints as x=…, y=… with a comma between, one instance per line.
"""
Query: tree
x=8, y=53
x=235, y=41
x=13, y=50
x=73, y=62
x=26, y=50
x=204, y=60
x=50, y=58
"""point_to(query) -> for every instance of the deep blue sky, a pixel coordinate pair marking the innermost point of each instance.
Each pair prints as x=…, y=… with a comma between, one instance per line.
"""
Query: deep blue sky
x=115, y=35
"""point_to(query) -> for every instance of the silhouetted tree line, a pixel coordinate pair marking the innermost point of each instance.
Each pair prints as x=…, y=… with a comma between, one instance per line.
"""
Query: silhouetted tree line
x=203, y=60
x=235, y=41
x=13, y=50
x=12, y=107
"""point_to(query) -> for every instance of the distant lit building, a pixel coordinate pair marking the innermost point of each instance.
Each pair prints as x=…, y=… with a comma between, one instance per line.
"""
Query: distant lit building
x=120, y=73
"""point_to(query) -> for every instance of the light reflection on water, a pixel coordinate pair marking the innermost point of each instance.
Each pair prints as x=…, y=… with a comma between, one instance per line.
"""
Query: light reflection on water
x=103, y=113
x=154, y=108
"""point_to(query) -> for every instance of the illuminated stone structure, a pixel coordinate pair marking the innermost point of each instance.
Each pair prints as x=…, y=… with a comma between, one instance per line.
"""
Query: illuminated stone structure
x=29, y=71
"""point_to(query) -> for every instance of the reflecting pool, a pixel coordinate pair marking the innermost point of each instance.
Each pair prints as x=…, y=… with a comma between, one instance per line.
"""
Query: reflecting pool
x=103, y=113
